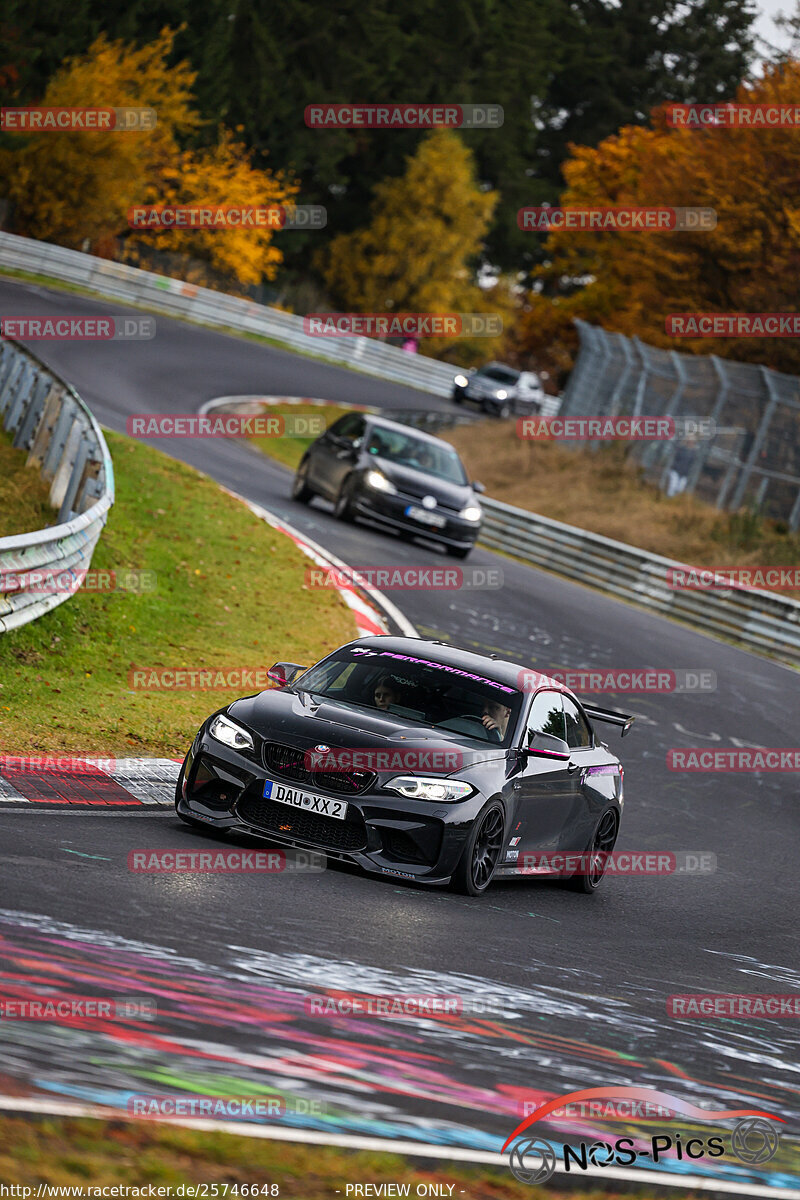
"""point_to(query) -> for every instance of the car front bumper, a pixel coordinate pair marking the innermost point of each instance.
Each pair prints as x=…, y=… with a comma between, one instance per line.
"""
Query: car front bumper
x=383, y=832
x=390, y=510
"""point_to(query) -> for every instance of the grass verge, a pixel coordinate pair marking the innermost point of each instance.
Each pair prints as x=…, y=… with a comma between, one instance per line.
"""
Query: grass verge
x=24, y=504
x=606, y=494
x=229, y=596
x=84, y=1153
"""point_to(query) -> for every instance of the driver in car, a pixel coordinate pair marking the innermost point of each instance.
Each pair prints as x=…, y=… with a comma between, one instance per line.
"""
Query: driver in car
x=495, y=719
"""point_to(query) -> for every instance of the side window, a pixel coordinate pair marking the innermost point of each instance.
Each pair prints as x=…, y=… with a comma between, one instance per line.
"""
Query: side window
x=546, y=715
x=350, y=427
x=579, y=735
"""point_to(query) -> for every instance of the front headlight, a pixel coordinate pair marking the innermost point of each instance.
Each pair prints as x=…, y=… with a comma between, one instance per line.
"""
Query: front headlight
x=378, y=481
x=460, y=380
x=230, y=734
x=502, y=395
x=415, y=787
x=471, y=513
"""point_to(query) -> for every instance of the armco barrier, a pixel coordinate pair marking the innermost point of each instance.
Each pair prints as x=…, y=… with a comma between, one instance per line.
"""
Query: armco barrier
x=47, y=418
x=754, y=619
x=134, y=286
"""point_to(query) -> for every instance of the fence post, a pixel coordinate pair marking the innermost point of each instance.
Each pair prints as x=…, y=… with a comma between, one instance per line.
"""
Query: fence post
x=758, y=442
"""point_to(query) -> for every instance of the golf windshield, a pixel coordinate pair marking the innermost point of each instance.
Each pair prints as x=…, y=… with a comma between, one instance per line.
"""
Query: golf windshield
x=432, y=457
x=418, y=689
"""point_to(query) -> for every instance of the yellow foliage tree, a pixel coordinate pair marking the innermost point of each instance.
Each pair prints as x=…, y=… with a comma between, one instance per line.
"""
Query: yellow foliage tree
x=415, y=256
x=68, y=187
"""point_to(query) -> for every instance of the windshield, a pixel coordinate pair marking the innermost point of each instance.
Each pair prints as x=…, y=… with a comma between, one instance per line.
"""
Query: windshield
x=418, y=689
x=434, y=458
x=499, y=374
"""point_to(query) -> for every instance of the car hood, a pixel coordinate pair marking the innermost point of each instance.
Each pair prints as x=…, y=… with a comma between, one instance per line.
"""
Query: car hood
x=297, y=719
x=419, y=484
x=490, y=387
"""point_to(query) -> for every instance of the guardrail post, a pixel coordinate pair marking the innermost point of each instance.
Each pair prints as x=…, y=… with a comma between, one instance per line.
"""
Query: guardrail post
x=47, y=422
x=58, y=439
x=23, y=437
x=75, y=478
x=10, y=388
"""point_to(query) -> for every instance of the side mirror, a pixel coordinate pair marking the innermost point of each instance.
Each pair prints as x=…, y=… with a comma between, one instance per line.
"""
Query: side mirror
x=478, y=487
x=284, y=673
x=546, y=745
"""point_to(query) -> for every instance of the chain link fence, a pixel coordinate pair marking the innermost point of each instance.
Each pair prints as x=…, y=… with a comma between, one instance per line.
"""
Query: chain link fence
x=752, y=458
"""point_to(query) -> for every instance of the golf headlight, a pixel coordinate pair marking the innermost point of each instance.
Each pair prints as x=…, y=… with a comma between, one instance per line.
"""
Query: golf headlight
x=416, y=787
x=502, y=395
x=471, y=513
x=378, y=481
x=230, y=734
x=460, y=380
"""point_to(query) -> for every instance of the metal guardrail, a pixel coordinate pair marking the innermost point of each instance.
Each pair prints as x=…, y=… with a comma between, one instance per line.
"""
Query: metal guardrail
x=755, y=619
x=47, y=418
x=135, y=286
x=165, y=294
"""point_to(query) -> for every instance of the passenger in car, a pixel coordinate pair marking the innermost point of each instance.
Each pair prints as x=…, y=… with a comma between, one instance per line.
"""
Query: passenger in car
x=386, y=692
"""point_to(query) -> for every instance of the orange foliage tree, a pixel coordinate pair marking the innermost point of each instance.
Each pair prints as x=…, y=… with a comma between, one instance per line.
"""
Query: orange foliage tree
x=631, y=281
x=72, y=187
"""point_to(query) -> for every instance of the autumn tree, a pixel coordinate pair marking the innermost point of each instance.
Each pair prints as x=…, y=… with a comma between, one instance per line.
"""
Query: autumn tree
x=69, y=187
x=631, y=281
x=417, y=253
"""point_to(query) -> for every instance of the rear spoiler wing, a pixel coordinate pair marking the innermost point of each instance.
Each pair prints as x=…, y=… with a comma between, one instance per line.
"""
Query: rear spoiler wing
x=611, y=717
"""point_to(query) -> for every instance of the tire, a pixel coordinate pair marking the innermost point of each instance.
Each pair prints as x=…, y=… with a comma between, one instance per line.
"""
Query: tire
x=482, y=852
x=459, y=551
x=504, y=411
x=301, y=492
x=343, y=506
x=603, y=838
x=457, y=396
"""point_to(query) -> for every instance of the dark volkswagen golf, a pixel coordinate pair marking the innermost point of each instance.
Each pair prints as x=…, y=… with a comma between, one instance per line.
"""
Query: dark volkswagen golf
x=416, y=760
x=414, y=482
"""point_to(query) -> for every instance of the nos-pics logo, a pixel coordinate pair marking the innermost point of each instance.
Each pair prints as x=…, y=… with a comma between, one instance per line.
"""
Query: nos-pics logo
x=533, y=1160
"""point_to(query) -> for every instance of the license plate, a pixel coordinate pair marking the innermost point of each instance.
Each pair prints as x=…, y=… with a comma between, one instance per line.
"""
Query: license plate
x=324, y=806
x=426, y=518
